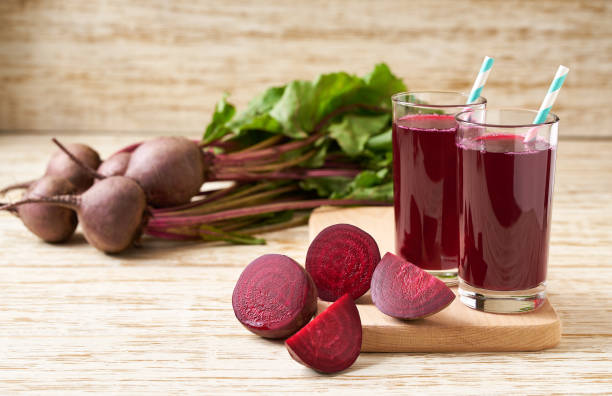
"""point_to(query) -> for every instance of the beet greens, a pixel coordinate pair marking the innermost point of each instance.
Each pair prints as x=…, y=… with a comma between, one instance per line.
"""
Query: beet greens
x=294, y=148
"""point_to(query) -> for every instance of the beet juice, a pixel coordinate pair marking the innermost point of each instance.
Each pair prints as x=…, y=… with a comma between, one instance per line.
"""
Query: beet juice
x=425, y=190
x=425, y=178
x=505, y=193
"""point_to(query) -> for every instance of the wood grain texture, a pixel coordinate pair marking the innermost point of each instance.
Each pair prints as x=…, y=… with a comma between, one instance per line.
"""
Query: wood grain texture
x=456, y=328
x=158, y=319
x=161, y=65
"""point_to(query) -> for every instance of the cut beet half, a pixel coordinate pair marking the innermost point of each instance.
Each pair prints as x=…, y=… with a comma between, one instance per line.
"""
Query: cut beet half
x=405, y=291
x=342, y=259
x=332, y=341
x=274, y=296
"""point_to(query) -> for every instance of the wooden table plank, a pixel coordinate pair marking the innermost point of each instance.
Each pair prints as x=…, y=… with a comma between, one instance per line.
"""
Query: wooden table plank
x=159, y=320
x=159, y=65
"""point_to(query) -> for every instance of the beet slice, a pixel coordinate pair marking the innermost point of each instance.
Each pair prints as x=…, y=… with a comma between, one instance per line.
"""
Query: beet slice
x=341, y=259
x=405, y=291
x=332, y=341
x=274, y=296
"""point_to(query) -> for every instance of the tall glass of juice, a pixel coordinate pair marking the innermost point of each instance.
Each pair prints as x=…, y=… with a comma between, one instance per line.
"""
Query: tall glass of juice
x=506, y=175
x=425, y=178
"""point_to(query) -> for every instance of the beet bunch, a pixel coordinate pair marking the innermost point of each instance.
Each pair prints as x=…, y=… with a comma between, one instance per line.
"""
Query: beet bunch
x=295, y=147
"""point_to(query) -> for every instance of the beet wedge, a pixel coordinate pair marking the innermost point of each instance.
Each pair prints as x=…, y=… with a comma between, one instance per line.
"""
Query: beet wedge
x=341, y=259
x=405, y=291
x=331, y=341
x=274, y=296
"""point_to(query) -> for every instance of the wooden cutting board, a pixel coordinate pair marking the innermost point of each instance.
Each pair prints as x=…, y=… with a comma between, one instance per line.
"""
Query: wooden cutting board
x=456, y=328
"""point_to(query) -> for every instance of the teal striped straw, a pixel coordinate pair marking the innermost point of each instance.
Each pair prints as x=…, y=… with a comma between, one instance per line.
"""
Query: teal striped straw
x=548, y=102
x=551, y=95
x=481, y=79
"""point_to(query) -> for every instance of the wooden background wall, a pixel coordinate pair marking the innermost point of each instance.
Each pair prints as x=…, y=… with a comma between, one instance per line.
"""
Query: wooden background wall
x=157, y=65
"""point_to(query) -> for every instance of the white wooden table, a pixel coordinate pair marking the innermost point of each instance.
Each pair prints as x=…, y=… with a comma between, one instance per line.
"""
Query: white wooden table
x=158, y=319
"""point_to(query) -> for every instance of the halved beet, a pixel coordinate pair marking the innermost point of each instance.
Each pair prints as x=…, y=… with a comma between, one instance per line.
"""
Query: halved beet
x=274, y=296
x=332, y=341
x=341, y=259
x=405, y=291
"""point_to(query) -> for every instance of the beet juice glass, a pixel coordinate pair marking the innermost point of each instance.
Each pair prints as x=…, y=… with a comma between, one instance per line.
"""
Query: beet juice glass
x=505, y=195
x=425, y=179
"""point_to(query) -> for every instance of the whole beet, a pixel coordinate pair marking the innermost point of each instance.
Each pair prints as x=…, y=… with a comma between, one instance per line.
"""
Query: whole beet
x=61, y=165
x=47, y=221
x=116, y=165
x=112, y=213
x=169, y=169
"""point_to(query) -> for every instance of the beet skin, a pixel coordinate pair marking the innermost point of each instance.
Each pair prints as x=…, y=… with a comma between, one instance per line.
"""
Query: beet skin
x=49, y=222
x=405, y=291
x=61, y=165
x=169, y=169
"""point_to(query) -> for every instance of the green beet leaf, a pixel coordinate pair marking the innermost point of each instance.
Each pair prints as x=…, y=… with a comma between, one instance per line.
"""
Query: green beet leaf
x=217, y=128
x=353, y=114
x=381, y=142
x=353, y=132
x=256, y=116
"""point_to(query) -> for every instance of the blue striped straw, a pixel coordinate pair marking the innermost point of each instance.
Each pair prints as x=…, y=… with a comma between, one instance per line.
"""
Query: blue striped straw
x=481, y=79
x=551, y=95
x=548, y=101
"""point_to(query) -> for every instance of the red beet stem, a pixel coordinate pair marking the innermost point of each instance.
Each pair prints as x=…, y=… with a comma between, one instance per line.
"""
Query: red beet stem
x=16, y=186
x=66, y=201
x=241, y=156
x=275, y=166
x=213, y=196
x=268, y=208
x=12, y=210
x=231, y=202
x=299, y=173
x=230, y=194
x=263, y=144
x=170, y=235
x=77, y=161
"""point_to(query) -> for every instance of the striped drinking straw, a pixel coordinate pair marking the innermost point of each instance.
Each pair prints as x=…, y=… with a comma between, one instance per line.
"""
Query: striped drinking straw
x=481, y=79
x=548, y=102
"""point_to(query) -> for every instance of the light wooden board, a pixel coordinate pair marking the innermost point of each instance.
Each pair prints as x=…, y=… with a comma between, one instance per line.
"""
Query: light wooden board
x=158, y=320
x=161, y=65
x=457, y=328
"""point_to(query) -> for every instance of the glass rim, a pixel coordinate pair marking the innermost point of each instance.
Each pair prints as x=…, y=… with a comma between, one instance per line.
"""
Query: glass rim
x=555, y=118
x=396, y=99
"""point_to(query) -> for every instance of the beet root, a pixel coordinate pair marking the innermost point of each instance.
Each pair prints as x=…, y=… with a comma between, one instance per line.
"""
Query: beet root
x=61, y=165
x=341, y=259
x=169, y=169
x=49, y=222
x=112, y=213
x=331, y=342
x=274, y=296
x=405, y=291
x=116, y=165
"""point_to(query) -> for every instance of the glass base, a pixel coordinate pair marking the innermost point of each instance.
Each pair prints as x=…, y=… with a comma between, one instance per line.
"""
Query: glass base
x=448, y=276
x=507, y=302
